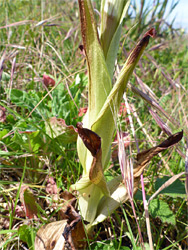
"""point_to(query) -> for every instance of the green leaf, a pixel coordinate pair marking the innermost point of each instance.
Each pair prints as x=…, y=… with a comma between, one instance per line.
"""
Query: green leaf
x=99, y=82
x=26, y=234
x=159, y=208
x=88, y=201
x=28, y=200
x=107, y=245
x=176, y=189
x=105, y=122
x=31, y=141
x=138, y=196
x=118, y=195
x=110, y=32
x=57, y=128
x=3, y=133
x=29, y=100
x=99, y=79
x=11, y=231
x=5, y=76
x=146, y=245
x=62, y=104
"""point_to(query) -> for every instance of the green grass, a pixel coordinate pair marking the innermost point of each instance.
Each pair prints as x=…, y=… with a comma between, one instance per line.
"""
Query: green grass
x=52, y=48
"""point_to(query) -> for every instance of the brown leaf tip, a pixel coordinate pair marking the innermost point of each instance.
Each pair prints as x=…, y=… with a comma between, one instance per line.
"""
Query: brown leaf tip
x=90, y=139
x=152, y=33
x=137, y=51
x=79, y=125
x=171, y=140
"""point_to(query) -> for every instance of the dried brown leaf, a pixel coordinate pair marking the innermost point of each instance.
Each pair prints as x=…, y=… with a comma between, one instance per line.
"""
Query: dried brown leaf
x=49, y=236
x=90, y=139
x=67, y=195
x=56, y=234
x=93, y=143
x=144, y=157
x=74, y=232
x=96, y=172
x=140, y=45
x=16, y=24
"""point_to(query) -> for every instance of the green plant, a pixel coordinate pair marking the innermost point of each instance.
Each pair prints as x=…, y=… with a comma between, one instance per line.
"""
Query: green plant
x=103, y=105
x=34, y=140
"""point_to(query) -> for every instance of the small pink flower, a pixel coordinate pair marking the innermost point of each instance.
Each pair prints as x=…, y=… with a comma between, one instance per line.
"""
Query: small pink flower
x=82, y=111
x=48, y=81
x=51, y=187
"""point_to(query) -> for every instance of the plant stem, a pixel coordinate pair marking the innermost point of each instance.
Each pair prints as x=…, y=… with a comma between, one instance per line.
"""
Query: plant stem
x=147, y=214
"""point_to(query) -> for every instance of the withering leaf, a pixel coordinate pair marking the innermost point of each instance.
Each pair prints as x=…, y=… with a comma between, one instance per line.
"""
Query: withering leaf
x=141, y=45
x=57, y=235
x=118, y=191
x=90, y=139
x=29, y=202
x=68, y=200
x=74, y=233
x=50, y=236
x=173, y=139
x=57, y=128
x=93, y=143
x=96, y=172
x=144, y=157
